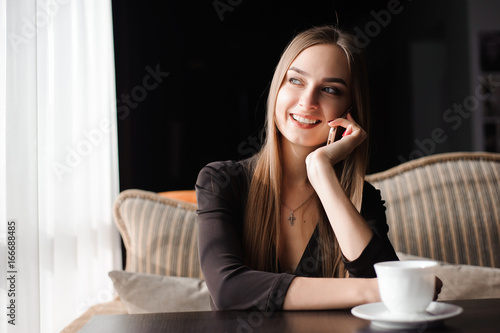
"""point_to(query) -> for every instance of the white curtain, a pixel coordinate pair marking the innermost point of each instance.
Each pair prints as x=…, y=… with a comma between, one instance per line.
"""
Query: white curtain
x=58, y=161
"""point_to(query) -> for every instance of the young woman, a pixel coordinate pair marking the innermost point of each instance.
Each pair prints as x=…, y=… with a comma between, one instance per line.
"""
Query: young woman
x=283, y=229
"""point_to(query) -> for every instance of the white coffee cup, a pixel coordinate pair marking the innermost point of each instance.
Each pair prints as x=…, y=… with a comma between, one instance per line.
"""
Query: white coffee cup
x=406, y=287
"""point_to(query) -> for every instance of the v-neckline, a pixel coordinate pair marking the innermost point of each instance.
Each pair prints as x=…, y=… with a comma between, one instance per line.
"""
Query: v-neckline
x=311, y=245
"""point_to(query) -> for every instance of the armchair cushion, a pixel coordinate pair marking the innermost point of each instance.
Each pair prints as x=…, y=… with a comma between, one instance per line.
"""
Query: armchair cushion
x=148, y=293
x=160, y=234
x=464, y=281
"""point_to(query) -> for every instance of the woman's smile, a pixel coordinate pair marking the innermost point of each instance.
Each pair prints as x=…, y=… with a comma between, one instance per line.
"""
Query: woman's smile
x=304, y=121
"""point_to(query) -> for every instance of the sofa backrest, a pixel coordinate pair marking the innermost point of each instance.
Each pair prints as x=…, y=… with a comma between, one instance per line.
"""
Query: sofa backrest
x=445, y=207
x=160, y=234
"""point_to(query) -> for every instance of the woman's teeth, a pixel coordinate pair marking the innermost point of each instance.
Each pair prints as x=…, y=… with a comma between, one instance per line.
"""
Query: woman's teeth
x=305, y=120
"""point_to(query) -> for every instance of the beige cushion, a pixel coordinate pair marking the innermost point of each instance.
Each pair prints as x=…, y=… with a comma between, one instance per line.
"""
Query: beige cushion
x=148, y=293
x=445, y=207
x=160, y=234
x=464, y=281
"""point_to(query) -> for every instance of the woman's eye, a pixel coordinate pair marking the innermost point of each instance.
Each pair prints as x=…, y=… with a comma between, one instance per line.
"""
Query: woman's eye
x=294, y=81
x=331, y=90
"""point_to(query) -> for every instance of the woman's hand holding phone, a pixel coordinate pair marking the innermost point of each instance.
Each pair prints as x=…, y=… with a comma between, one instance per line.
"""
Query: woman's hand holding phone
x=346, y=136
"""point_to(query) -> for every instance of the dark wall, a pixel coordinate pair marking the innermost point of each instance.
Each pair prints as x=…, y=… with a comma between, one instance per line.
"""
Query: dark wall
x=192, y=79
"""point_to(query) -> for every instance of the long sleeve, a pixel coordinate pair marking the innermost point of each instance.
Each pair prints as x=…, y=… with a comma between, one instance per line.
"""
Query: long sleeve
x=379, y=248
x=221, y=190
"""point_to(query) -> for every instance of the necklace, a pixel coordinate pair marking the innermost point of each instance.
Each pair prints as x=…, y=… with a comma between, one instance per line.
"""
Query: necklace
x=291, y=219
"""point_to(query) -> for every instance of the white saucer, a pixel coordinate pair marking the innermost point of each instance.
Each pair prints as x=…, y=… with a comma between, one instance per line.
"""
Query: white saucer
x=381, y=317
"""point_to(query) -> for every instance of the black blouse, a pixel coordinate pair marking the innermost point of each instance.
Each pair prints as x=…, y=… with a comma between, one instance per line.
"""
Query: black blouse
x=221, y=191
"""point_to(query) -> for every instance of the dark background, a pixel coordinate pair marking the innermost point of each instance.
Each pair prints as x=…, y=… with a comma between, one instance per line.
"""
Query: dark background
x=211, y=105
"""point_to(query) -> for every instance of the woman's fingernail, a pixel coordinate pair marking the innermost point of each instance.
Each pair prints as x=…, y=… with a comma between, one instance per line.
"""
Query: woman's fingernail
x=344, y=134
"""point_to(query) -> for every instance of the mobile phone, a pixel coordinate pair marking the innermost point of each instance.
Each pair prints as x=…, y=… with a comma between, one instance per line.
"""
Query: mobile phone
x=336, y=132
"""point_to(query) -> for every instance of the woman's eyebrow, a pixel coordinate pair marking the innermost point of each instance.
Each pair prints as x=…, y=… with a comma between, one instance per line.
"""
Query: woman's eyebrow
x=300, y=71
x=326, y=79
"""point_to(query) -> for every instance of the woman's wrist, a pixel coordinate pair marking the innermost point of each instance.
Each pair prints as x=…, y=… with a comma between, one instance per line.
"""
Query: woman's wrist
x=372, y=291
x=319, y=167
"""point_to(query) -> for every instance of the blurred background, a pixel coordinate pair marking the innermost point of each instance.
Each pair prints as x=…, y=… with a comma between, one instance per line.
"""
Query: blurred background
x=192, y=78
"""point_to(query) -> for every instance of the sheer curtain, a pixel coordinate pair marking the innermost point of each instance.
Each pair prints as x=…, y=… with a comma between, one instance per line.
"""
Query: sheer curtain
x=58, y=161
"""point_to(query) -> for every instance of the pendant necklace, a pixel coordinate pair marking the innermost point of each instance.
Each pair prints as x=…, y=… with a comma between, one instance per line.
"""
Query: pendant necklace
x=291, y=219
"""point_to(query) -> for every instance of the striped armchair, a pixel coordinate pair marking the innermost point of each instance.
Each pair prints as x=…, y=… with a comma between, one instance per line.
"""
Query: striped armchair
x=445, y=207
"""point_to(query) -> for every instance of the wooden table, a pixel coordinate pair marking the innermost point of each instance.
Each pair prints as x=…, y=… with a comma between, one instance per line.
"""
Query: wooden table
x=478, y=316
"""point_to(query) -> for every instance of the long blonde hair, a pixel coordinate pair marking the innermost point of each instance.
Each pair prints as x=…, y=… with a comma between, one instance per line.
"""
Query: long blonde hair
x=261, y=231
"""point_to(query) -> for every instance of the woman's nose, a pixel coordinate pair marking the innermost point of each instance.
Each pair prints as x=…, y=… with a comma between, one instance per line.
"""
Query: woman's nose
x=308, y=100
